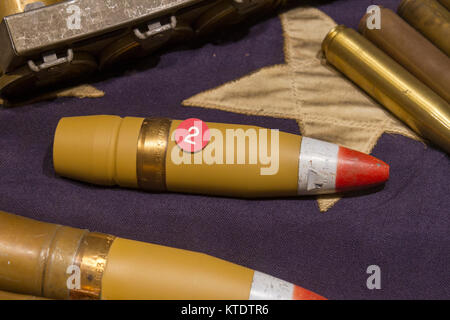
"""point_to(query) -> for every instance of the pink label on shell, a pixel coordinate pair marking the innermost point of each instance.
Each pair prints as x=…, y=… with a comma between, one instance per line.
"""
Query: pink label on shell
x=192, y=135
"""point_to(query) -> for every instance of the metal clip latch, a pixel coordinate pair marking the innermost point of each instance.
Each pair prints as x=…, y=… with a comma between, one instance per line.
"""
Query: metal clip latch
x=51, y=60
x=156, y=34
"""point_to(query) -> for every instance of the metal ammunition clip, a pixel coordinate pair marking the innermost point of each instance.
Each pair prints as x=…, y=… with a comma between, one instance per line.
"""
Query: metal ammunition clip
x=49, y=42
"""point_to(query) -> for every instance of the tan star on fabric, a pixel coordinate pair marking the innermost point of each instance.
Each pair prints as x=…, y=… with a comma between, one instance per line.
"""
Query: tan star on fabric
x=81, y=91
x=325, y=104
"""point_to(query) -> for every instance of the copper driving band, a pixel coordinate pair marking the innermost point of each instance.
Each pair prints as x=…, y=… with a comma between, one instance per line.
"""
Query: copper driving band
x=91, y=260
x=151, y=154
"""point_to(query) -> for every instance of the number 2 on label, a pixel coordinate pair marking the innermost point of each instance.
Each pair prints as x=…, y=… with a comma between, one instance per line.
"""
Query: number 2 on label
x=192, y=135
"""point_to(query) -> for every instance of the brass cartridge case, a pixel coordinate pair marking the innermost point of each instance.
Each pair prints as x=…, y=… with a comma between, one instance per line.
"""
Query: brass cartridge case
x=445, y=3
x=430, y=18
x=412, y=50
x=390, y=84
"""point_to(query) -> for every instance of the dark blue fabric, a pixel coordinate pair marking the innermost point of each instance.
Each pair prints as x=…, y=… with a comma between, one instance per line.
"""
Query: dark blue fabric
x=404, y=228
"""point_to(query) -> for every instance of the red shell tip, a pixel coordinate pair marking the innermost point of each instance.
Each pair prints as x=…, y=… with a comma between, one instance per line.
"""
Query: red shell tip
x=357, y=170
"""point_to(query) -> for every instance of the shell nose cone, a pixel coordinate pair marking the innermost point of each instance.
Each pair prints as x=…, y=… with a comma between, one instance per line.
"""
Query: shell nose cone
x=303, y=294
x=357, y=170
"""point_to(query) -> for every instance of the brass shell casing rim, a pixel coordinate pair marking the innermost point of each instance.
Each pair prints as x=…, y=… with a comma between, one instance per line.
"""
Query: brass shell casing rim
x=330, y=37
